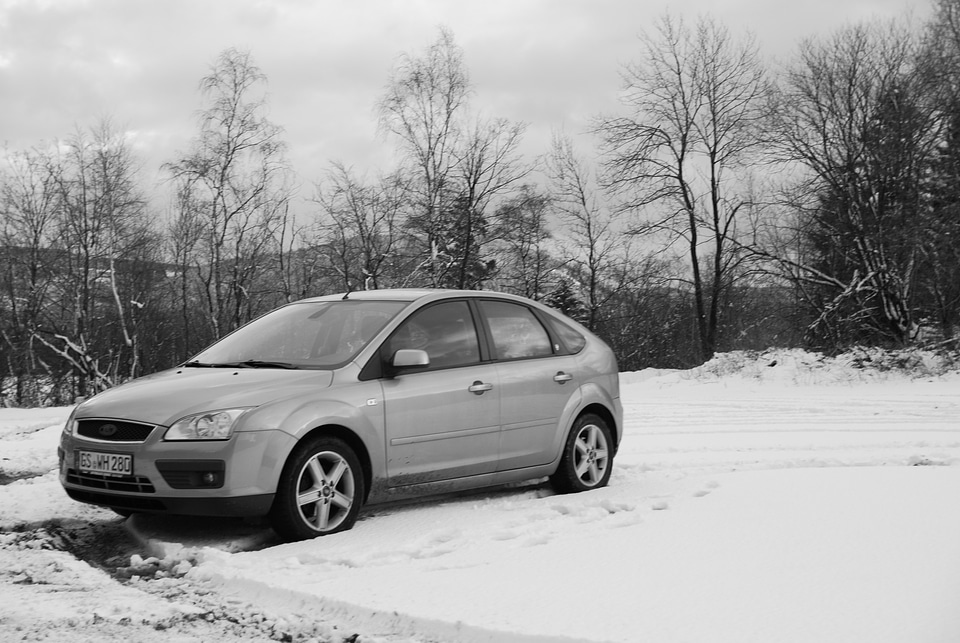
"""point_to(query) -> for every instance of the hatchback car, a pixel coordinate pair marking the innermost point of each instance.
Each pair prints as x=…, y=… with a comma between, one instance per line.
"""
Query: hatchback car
x=321, y=406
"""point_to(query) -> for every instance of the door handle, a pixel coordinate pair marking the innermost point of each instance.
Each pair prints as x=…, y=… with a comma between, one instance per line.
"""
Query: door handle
x=562, y=378
x=479, y=387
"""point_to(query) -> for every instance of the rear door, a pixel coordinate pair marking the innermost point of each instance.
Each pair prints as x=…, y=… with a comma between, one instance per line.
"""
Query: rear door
x=444, y=422
x=537, y=380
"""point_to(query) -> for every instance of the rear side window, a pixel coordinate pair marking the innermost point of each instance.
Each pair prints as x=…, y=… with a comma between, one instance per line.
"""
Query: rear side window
x=515, y=330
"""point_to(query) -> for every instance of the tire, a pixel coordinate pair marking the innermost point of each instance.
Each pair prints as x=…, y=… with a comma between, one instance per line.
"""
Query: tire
x=320, y=490
x=587, y=459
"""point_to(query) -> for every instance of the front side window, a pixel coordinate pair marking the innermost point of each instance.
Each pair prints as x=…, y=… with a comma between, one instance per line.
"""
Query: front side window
x=516, y=331
x=303, y=335
x=445, y=331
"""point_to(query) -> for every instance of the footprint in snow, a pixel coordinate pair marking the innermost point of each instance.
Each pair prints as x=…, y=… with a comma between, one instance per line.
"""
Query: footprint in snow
x=624, y=520
x=533, y=541
x=431, y=552
x=617, y=507
x=563, y=510
x=709, y=486
x=438, y=544
x=445, y=536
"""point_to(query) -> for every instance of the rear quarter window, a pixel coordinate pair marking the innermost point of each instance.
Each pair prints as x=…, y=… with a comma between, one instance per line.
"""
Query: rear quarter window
x=571, y=338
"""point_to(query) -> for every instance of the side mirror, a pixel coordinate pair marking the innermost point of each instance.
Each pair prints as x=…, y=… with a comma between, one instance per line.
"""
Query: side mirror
x=409, y=359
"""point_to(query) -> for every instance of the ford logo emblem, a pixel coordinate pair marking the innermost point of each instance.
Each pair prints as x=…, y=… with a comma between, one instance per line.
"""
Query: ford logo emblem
x=107, y=430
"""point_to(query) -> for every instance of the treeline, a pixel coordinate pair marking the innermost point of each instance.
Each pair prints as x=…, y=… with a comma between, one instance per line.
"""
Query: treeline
x=726, y=206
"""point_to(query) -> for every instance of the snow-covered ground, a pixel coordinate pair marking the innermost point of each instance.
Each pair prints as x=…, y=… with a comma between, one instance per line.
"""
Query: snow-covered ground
x=775, y=497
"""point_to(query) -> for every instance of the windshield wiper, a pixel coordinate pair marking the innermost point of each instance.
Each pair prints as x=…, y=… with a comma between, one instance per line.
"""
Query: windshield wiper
x=250, y=363
x=259, y=363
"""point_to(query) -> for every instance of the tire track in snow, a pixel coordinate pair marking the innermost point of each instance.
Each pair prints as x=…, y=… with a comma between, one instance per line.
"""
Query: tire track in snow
x=700, y=427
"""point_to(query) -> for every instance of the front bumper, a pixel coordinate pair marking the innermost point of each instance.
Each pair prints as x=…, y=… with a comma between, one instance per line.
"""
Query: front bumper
x=245, y=506
x=235, y=477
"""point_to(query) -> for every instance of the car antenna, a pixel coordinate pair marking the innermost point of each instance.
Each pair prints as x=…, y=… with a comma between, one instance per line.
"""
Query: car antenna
x=346, y=296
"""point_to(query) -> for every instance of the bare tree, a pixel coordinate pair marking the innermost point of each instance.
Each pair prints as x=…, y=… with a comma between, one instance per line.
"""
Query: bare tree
x=237, y=176
x=298, y=264
x=103, y=231
x=697, y=103
x=421, y=107
x=458, y=164
x=944, y=34
x=858, y=115
x=595, y=254
x=360, y=227
x=183, y=236
x=522, y=234
x=29, y=204
x=488, y=166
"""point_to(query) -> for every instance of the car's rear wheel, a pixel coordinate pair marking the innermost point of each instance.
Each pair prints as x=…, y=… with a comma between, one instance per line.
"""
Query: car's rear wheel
x=320, y=490
x=587, y=459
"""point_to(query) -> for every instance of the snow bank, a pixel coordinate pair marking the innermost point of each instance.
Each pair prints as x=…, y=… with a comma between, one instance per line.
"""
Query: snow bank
x=802, y=367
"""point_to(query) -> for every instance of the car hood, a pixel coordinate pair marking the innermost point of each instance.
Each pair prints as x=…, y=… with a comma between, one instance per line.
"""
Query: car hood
x=167, y=396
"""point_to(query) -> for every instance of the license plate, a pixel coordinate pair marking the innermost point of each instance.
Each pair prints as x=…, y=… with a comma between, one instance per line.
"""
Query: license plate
x=107, y=464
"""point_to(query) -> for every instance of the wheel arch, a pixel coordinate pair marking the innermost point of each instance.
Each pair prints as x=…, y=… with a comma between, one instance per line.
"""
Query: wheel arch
x=353, y=441
x=607, y=416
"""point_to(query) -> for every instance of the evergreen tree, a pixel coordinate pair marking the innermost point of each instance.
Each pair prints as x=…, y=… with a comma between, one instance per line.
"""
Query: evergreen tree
x=563, y=298
x=940, y=277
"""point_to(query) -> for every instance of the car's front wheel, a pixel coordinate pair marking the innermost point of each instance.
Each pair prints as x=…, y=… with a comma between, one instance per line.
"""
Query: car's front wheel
x=587, y=459
x=320, y=490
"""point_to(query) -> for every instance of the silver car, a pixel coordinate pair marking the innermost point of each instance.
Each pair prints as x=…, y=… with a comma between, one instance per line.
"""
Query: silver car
x=321, y=406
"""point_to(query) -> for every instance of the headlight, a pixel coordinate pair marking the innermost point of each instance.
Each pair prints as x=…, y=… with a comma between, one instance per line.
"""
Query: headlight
x=70, y=428
x=214, y=425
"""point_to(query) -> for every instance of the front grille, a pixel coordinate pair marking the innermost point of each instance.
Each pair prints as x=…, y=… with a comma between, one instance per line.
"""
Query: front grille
x=114, y=430
x=135, y=484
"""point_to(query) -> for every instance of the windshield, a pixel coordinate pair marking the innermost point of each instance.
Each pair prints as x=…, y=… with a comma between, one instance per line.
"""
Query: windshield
x=302, y=335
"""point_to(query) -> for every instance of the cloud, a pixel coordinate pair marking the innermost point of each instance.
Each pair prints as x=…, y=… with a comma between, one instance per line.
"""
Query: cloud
x=551, y=63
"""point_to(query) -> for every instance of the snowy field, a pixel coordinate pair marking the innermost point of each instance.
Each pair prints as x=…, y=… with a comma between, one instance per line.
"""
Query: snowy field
x=780, y=497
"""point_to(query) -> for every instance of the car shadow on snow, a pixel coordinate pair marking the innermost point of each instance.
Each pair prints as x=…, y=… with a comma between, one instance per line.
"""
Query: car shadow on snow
x=157, y=533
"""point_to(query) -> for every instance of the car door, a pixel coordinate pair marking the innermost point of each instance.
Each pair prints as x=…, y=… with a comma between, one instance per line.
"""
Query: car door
x=537, y=380
x=443, y=422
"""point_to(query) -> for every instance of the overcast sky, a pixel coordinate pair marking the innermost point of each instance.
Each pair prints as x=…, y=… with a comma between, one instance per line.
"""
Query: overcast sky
x=550, y=63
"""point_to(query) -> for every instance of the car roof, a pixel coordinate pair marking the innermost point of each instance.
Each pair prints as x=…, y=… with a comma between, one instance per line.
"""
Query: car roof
x=387, y=294
x=408, y=294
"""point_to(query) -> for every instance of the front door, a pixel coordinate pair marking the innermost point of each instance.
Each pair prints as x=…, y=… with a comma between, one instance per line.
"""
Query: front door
x=442, y=423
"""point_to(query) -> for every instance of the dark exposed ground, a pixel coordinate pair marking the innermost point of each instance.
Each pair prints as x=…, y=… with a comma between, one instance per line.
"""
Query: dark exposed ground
x=44, y=598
